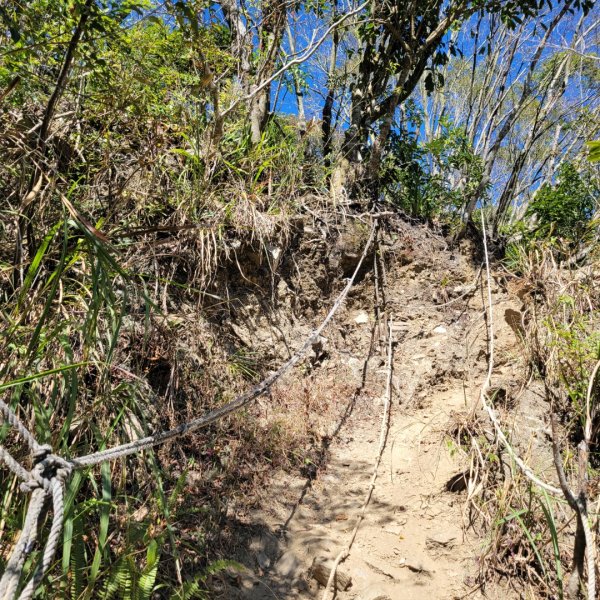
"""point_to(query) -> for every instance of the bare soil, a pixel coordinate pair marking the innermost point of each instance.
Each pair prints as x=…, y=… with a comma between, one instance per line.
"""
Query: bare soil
x=414, y=542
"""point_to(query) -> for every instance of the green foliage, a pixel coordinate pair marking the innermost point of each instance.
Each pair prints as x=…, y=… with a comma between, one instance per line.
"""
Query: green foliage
x=563, y=209
x=40, y=30
x=565, y=342
x=431, y=179
x=144, y=194
x=594, y=151
x=404, y=176
x=130, y=148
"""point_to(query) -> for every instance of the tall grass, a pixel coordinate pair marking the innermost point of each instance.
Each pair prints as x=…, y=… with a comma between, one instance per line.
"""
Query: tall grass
x=111, y=322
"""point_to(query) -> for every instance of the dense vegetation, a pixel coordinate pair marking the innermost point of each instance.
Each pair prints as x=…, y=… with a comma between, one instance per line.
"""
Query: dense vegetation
x=145, y=145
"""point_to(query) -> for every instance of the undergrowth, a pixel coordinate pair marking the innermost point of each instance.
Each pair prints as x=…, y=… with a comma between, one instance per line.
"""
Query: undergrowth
x=124, y=243
x=141, y=216
x=530, y=532
x=114, y=354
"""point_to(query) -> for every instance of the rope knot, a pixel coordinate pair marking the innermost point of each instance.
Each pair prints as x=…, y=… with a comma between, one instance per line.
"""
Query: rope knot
x=48, y=469
x=41, y=452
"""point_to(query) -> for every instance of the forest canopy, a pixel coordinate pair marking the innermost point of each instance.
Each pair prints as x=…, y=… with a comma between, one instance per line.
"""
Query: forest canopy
x=496, y=94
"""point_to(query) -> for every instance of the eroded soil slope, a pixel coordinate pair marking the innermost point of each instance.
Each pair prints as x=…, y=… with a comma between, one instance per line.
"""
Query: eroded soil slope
x=414, y=541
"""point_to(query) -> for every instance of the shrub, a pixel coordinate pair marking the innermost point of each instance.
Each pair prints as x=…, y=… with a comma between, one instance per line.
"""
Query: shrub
x=564, y=209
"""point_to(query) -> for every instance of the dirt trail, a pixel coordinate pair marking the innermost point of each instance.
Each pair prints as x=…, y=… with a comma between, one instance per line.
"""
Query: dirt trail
x=412, y=543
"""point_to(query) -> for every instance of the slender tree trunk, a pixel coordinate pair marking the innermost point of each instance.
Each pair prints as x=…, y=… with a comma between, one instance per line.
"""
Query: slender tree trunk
x=554, y=91
x=381, y=140
x=259, y=113
x=298, y=87
x=274, y=17
x=329, y=99
x=406, y=81
x=24, y=224
x=497, y=126
x=364, y=112
x=553, y=157
x=241, y=45
x=526, y=93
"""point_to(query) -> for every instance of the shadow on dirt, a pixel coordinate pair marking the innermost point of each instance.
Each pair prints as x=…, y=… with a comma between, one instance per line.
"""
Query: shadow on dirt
x=270, y=570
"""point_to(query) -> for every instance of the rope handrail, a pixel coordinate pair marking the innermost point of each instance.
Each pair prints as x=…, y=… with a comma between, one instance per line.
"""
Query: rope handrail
x=383, y=435
x=47, y=478
x=578, y=504
x=483, y=393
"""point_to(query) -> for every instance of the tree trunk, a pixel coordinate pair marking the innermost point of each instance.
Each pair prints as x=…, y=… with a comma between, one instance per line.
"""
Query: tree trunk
x=350, y=168
x=241, y=46
x=297, y=87
x=379, y=145
x=552, y=93
x=329, y=99
x=259, y=114
x=274, y=18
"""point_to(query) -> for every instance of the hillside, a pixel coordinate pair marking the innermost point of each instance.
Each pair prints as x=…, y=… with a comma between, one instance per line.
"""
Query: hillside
x=416, y=535
x=287, y=287
x=426, y=527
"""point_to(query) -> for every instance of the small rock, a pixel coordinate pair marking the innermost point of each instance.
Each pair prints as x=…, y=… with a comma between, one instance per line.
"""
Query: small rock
x=362, y=318
x=395, y=529
x=440, y=330
x=275, y=254
x=373, y=594
x=288, y=565
x=282, y=288
x=263, y=561
x=320, y=570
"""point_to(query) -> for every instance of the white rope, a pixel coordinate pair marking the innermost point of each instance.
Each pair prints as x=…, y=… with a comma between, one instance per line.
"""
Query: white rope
x=7, y=458
x=58, y=509
x=485, y=401
x=45, y=480
x=48, y=476
x=230, y=407
x=12, y=573
x=576, y=503
x=10, y=416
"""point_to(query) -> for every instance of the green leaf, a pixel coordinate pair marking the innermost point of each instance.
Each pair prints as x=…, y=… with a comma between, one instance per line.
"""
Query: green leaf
x=594, y=151
x=22, y=380
x=547, y=508
x=148, y=576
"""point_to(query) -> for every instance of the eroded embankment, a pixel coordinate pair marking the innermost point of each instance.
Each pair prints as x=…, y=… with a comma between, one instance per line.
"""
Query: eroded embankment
x=413, y=541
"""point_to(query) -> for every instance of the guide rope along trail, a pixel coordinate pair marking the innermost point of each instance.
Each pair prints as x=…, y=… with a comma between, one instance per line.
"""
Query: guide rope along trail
x=47, y=478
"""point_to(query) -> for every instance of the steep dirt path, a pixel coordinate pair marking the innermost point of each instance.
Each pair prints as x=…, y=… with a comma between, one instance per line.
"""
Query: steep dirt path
x=412, y=540
x=412, y=543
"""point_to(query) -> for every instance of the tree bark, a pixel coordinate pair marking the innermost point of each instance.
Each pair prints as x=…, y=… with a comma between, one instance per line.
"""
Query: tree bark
x=329, y=99
x=274, y=18
x=408, y=37
x=553, y=92
x=493, y=130
x=241, y=46
x=297, y=87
